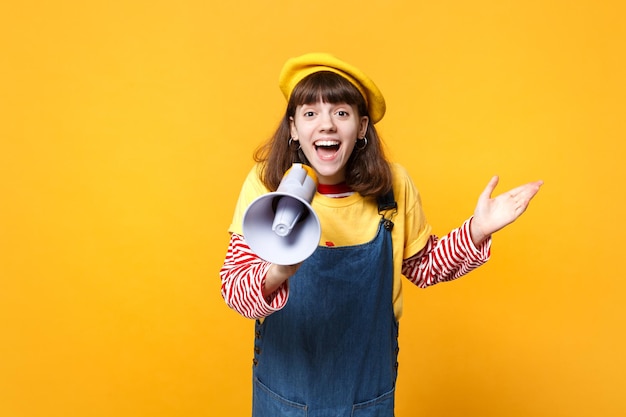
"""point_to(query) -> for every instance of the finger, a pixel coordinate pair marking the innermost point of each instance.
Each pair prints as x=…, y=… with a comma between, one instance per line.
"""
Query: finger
x=527, y=189
x=525, y=194
x=530, y=193
x=493, y=182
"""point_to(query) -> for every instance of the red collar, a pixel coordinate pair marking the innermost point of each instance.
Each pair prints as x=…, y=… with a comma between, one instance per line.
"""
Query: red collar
x=341, y=188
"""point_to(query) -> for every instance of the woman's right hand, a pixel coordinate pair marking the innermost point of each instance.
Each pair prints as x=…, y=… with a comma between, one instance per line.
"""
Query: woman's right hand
x=277, y=275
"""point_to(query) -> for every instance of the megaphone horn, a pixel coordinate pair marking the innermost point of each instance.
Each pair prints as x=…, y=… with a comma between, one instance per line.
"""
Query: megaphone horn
x=281, y=227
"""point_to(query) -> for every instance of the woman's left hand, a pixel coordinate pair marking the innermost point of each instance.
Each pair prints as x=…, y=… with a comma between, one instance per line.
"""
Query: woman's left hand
x=492, y=214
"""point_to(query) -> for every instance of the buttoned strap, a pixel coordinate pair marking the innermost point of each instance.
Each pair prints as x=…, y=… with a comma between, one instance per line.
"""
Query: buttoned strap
x=387, y=202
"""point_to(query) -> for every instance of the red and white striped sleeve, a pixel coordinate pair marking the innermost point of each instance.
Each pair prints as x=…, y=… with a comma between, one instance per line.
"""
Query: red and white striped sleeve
x=446, y=259
x=242, y=275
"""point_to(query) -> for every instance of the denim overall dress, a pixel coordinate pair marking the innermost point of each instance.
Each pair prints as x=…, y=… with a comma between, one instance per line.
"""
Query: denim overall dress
x=332, y=350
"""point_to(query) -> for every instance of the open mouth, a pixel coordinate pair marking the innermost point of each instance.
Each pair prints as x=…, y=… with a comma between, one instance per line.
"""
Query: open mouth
x=327, y=147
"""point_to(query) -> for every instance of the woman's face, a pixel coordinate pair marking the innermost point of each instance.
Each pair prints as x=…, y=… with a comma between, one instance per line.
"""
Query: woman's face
x=327, y=133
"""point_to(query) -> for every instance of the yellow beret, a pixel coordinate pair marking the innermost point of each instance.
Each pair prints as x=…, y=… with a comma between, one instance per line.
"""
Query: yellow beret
x=296, y=69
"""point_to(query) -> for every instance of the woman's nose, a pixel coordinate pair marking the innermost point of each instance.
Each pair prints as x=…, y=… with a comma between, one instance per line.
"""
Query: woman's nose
x=327, y=123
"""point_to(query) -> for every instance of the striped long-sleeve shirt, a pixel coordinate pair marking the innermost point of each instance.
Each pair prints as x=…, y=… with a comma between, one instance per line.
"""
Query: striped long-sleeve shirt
x=445, y=259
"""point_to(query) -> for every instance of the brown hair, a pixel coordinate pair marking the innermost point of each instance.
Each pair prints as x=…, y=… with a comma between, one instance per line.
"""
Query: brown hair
x=367, y=171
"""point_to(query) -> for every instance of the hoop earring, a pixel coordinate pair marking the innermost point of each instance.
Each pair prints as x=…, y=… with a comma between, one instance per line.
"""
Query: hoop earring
x=361, y=143
x=290, y=143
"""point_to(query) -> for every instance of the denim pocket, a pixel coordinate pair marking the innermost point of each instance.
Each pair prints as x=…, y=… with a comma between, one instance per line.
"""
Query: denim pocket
x=266, y=403
x=378, y=407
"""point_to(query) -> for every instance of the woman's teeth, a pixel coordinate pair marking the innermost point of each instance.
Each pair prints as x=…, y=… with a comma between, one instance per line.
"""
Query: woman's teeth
x=327, y=144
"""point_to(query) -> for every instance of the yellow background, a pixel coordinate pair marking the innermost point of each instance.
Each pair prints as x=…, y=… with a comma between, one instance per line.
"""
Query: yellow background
x=126, y=129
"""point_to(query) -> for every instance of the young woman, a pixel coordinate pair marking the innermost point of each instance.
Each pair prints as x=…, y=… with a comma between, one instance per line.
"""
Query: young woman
x=326, y=329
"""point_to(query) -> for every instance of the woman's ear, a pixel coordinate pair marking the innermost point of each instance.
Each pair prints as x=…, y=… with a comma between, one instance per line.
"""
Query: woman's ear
x=292, y=129
x=365, y=121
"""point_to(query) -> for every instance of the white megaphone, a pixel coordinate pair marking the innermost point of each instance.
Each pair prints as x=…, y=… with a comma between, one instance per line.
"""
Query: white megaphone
x=281, y=227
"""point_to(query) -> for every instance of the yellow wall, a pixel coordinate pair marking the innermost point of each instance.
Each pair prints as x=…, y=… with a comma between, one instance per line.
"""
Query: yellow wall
x=126, y=128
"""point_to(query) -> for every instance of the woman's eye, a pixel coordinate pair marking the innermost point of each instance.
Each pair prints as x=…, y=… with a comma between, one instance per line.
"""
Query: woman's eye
x=342, y=113
x=308, y=114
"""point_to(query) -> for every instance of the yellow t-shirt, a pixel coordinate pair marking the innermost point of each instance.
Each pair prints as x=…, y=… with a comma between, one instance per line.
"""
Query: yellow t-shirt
x=354, y=220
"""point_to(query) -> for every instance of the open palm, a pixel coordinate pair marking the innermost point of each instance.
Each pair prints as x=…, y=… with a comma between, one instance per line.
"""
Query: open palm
x=492, y=214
